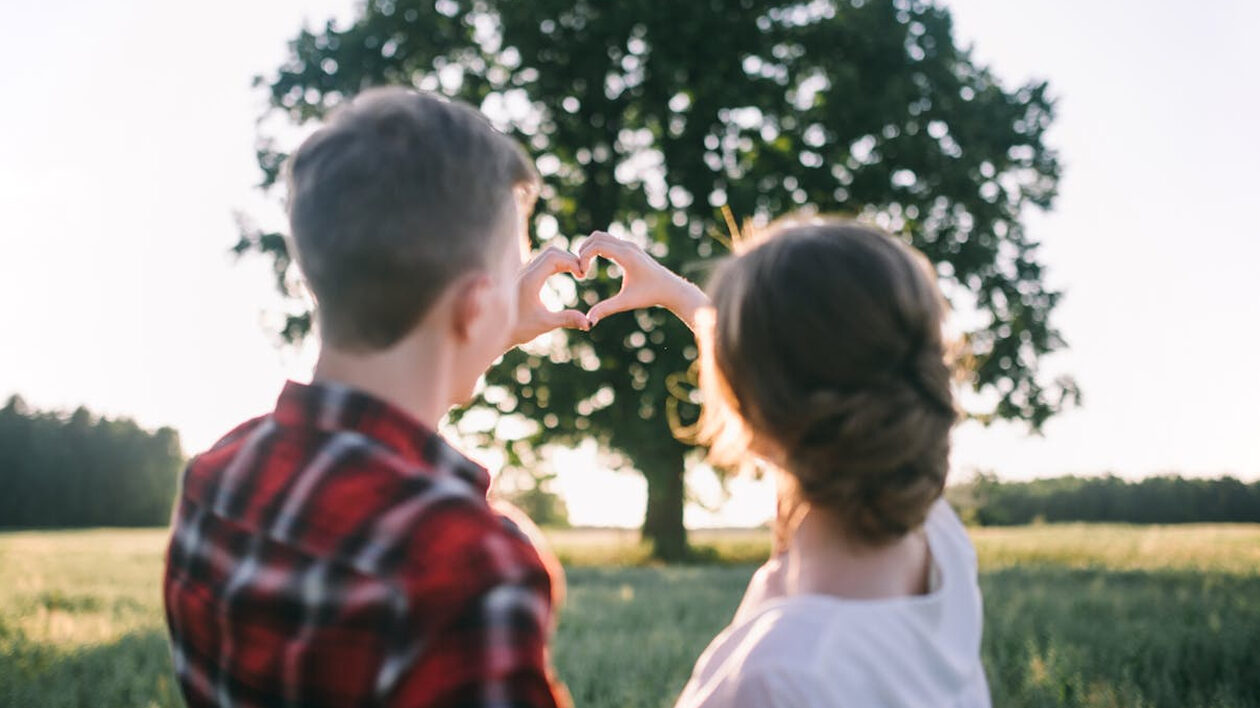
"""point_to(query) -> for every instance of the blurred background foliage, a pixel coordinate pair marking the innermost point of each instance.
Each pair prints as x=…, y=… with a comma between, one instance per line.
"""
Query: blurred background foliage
x=648, y=117
x=84, y=470
x=1165, y=499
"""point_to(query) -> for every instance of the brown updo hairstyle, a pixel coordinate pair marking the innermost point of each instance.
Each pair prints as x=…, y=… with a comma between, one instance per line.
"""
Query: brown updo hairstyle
x=826, y=346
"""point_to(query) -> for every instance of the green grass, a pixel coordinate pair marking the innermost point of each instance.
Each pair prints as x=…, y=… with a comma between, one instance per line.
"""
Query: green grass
x=1077, y=615
x=1222, y=548
x=1231, y=548
x=81, y=620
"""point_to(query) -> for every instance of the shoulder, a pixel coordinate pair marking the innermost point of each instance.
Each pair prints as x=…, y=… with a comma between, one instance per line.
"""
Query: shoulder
x=464, y=548
x=764, y=662
x=770, y=657
x=200, y=474
x=948, y=535
x=943, y=516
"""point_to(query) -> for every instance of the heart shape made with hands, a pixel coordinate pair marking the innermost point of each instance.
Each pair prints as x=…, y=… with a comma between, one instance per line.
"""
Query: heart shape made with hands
x=637, y=290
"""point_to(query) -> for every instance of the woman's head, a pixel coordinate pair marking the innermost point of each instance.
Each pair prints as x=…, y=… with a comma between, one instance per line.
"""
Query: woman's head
x=827, y=355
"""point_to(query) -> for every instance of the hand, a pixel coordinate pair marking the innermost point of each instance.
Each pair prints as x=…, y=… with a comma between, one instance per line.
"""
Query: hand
x=533, y=317
x=644, y=281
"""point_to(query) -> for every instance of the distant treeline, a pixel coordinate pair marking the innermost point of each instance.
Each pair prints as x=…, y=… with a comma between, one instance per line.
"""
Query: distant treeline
x=84, y=470
x=1154, y=500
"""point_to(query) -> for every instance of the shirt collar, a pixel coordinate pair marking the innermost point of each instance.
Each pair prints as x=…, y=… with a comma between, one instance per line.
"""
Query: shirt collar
x=333, y=407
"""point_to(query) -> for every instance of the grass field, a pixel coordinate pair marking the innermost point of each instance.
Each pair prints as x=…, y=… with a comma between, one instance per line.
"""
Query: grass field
x=1077, y=615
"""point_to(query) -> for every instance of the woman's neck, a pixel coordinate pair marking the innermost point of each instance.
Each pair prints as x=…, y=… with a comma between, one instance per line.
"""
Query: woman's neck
x=821, y=559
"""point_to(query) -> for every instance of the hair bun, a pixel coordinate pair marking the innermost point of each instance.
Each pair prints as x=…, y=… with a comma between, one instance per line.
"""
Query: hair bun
x=876, y=457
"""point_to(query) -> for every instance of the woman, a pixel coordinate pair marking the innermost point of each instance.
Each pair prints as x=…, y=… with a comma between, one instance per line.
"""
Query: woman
x=823, y=357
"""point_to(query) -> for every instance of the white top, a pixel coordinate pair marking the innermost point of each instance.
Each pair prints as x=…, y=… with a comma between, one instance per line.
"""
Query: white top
x=810, y=651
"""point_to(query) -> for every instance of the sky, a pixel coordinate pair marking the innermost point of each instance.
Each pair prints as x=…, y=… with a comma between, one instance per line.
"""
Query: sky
x=126, y=147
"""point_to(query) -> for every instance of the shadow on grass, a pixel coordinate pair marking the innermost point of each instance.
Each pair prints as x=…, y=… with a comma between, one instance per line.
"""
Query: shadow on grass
x=133, y=672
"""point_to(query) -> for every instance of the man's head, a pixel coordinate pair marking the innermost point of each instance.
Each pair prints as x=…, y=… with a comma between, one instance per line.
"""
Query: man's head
x=401, y=197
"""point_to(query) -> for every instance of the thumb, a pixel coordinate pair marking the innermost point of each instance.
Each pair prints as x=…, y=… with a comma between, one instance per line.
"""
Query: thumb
x=603, y=308
x=572, y=319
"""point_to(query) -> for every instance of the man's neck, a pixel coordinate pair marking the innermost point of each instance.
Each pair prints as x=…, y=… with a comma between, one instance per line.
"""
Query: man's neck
x=410, y=375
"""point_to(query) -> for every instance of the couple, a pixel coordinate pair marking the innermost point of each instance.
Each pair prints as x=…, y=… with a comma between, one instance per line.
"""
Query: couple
x=338, y=552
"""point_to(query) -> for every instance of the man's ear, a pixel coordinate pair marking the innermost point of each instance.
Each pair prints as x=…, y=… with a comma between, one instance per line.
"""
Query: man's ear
x=470, y=294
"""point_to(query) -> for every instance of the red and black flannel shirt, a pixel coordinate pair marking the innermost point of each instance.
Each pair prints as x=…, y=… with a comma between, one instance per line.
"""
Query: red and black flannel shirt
x=337, y=553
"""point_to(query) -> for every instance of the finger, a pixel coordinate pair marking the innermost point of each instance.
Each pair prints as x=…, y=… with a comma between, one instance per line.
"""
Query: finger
x=571, y=319
x=586, y=258
x=601, y=244
x=594, y=240
x=557, y=260
x=550, y=262
x=585, y=254
x=611, y=306
x=561, y=261
x=596, y=236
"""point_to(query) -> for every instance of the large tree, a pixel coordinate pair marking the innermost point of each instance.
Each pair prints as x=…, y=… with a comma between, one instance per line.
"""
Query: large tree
x=650, y=116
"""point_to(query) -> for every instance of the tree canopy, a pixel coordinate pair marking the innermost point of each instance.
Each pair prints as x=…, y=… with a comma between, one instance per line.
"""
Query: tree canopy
x=648, y=118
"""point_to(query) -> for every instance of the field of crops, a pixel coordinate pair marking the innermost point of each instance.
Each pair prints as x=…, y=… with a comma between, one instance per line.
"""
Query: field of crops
x=1077, y=615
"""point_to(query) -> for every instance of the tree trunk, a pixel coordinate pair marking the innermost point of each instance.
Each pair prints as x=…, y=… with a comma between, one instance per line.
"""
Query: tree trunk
x=663, y=520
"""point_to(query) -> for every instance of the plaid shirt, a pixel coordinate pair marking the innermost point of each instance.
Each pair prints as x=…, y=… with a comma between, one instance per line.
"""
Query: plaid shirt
x=337, y=553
